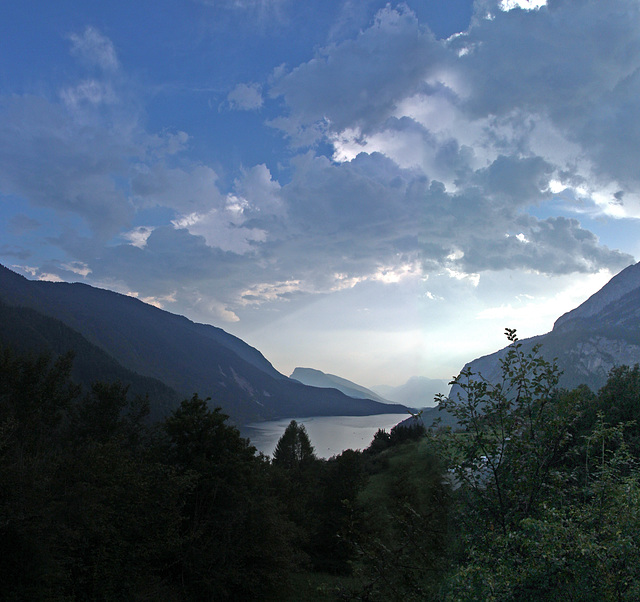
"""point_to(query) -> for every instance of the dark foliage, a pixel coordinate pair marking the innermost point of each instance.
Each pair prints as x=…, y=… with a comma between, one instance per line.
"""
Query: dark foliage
x=535, y=496
x=548, y=488
x=94, y=505
x=293, y=450
x=235, y=543
x=401, y=433
x=79, y=497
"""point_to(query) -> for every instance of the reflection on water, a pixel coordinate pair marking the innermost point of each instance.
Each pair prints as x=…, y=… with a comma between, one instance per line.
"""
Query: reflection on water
x=330, y=435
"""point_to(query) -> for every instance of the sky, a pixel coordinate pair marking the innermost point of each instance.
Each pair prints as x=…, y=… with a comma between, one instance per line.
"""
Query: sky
x=375, y=190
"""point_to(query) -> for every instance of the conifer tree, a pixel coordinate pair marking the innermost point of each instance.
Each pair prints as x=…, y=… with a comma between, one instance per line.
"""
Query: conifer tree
x=294, y=447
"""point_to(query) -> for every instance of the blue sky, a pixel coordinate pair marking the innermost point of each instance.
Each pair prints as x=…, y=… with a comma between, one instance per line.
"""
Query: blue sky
x=371, y=189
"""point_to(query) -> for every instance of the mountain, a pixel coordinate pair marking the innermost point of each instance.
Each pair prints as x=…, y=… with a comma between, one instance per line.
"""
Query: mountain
x=588, y=341
x=316, y=378
x=187, y=357
x=27, y=331
x=418, y=391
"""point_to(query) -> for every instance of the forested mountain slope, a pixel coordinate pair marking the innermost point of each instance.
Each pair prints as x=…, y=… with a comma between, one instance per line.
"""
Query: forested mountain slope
x=27, y=331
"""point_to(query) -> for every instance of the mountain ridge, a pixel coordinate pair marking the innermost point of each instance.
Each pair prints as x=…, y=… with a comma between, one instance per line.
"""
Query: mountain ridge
x=622, y=283
x=590, y=340
x=26, y=331
x=317, y=378
x=186, y=356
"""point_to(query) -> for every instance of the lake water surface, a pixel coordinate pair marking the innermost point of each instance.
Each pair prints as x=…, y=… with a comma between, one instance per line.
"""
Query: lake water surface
x=329, y=435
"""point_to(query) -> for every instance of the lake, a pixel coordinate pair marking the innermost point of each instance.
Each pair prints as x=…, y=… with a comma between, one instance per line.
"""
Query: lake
x=329, y=435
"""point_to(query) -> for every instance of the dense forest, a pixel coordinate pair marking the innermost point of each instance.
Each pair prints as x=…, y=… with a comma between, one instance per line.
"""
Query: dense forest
x=535, y=495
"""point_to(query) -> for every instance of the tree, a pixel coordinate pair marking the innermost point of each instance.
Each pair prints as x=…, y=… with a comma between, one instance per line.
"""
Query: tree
x=588, y=550
x=513, y=435
x=404, y=539
x=36, y=395
x=236, y=541
x=294, y=448
x=548, y=494
x=84, y=514
x=338, y=525
x=619, y=402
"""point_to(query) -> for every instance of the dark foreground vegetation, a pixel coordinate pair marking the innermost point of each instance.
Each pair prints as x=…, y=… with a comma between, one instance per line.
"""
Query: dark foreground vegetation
x=536, y=496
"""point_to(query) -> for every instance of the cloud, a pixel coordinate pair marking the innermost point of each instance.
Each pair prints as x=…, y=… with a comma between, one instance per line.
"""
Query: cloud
x=138, y=236
x=223, y=229
x=173, y=266
x=47, y=277
x=229, y=222
x=334, y=226
x=261, y=292
x=77, y=267
x=20, y=223
x=94, y=49
x=550, y=246
x=257, y=185
x=354, y=217
x=521, y=55
x=245, y=97
x=507, y=5
x=255, y=15
x=169, y=255
x=90, y=91
x=571, y=68
x=159, y=302
x=15, y=252
x=357, y=83
x=54, y=161
x=245, y=5
x=100, y=167
x=86, y=155
x=186, y=189
x=496, y=114
x=69, y=153
x=425, y=158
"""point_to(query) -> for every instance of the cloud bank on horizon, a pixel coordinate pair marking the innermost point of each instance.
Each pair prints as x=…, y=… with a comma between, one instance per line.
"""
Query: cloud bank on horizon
x=372, y=172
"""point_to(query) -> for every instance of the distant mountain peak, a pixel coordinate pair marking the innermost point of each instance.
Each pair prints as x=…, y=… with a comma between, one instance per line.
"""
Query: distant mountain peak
x=418, y=391
x=317, y=378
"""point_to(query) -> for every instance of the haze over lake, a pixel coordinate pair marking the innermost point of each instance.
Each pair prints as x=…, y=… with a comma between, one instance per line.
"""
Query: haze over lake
x=329, y=435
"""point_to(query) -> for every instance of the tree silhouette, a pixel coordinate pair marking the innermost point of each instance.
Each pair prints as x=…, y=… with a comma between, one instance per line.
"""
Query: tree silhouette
x=294, y=448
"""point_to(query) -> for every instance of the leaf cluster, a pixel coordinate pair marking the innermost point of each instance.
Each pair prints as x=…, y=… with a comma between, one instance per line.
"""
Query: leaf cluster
x=547, y=484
